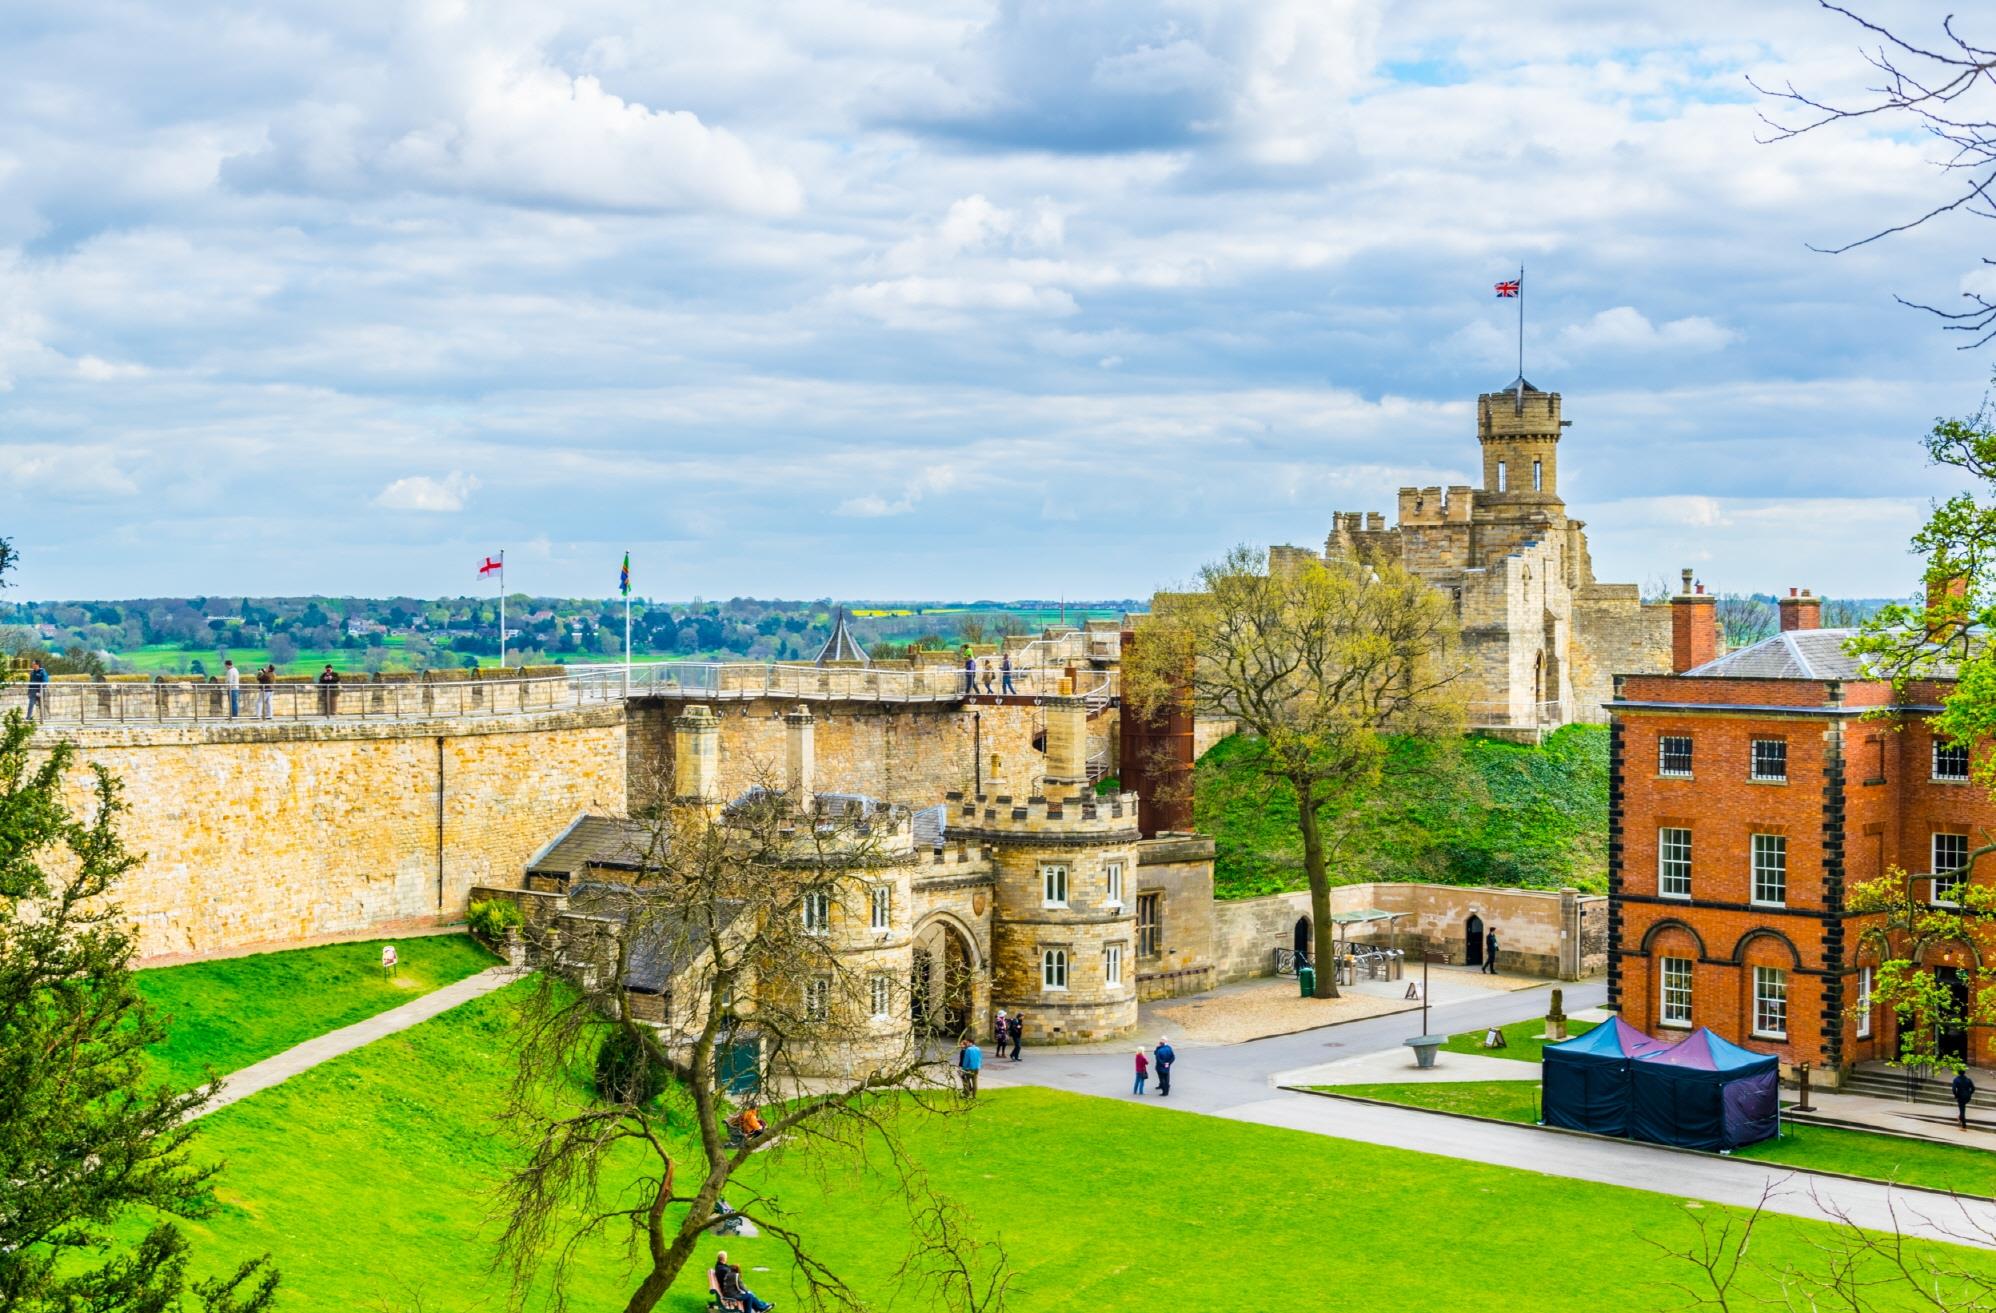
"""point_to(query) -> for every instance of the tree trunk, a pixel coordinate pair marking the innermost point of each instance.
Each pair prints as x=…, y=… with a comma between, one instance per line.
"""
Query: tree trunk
x=1323, y=932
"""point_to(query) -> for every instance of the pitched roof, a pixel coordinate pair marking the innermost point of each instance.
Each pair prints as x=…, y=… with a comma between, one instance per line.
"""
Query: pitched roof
x=1796, y=654
x=841, y=646
x=604, y=841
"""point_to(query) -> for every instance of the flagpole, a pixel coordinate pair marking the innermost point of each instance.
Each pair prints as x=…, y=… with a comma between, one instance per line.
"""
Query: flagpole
x=502, y=609
x=627, y=622
x=1521, y=335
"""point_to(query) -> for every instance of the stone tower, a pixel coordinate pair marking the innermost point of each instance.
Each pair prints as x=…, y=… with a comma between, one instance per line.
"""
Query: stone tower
x=1519, y=432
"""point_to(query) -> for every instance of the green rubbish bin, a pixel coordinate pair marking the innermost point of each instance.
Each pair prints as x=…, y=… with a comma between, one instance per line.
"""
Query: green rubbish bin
x=1306, y=978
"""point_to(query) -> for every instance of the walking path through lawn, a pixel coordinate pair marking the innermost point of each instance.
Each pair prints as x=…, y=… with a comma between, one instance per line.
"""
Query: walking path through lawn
x=1238, y=1082
x=275, y=1070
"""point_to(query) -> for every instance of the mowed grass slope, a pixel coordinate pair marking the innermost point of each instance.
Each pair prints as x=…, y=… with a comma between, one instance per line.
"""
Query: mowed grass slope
x=372, y=1181
x=231, y=1012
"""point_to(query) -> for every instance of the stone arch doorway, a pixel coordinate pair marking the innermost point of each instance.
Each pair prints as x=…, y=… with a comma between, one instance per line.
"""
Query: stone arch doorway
x=1472, y=943
x=1300, y=939
x=943, y=990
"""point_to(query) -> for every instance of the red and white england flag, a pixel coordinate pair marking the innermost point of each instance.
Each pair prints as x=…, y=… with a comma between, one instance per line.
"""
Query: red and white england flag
x=491, y=563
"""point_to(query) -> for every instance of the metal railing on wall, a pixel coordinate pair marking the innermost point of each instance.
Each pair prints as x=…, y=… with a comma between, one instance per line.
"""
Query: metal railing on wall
x=189, y=700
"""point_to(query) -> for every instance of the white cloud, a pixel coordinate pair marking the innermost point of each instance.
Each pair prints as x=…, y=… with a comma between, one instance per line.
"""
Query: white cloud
x=1626, y=329
x=420, y=492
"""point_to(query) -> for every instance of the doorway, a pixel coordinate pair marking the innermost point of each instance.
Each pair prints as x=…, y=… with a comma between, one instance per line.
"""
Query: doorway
x=1951, y=1039
x=1300, y=941
x=1472, y=947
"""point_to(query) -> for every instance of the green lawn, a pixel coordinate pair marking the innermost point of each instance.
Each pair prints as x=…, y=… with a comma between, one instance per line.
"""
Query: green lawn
x=1475, y=812
x=1821, y=1148
x=1522, y=1040
x=228, y=1013
x=371, y=1181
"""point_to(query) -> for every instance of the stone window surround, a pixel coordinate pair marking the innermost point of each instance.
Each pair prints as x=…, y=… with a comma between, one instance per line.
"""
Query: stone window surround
x=817, y=998
x=881, y=900
x=1112, y=879
x=817, y=911
x=1150, y=932
x=1053, y=969
x=1772, y=752
x=1864, y=979
x=881, y=988
x=1054, y=890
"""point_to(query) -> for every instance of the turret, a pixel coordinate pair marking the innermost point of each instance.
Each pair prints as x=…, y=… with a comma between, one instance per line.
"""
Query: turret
x=1519, y=429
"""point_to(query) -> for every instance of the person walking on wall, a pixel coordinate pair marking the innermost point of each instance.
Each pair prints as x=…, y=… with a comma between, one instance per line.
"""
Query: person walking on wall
x=1964, y=1090
x=1005, y=675
x=1162, y=1058
x=1143, y=1071
x=329, y=690
x=1490, y=954
x=969, y=1061
x=1018, y=1029
x=969, y=671
x=234, y=679
x=266, y=680
x=38, y=679
x=986, y=671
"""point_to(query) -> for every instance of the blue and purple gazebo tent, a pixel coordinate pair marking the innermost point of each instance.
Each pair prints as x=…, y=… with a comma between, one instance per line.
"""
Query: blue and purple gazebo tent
x=1587, y=1078
x=1704, y=1093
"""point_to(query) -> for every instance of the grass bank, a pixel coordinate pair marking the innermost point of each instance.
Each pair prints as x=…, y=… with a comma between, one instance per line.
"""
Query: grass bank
x=1475, y=812
x=371, y=1180
x=1814, y=1148
x=231, y=1012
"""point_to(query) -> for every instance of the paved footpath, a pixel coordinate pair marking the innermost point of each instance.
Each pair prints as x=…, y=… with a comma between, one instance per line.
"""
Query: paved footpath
x=303, y=1057
x=1237, y=1081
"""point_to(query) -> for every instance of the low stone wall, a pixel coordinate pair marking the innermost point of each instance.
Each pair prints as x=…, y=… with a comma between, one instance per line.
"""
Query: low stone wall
x=1557, y=934
x=1206, y=731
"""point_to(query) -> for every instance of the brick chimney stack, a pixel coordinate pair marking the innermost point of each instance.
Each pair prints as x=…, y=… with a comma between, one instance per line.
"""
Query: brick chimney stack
x=1801, y=611
x=1694, y=627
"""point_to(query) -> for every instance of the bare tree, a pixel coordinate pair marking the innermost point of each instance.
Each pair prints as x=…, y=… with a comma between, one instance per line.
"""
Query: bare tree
x=1318, y=661
x=1942, y=88
x=742, y=931
x=1744, y=619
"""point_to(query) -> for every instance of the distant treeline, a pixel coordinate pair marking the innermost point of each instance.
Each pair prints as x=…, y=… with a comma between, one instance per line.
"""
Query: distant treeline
x=409, y=633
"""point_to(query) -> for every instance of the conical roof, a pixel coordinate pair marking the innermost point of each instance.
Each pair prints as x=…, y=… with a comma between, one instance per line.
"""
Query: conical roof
x=842, y=649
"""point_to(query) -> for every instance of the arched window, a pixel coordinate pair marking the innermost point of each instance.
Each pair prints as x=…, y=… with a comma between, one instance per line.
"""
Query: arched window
x=1053, y=969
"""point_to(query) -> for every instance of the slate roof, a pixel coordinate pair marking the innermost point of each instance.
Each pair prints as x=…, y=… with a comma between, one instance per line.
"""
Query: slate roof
x=929, y=825
x=1797, y=654
x=666, y=941
x=602, y=841
x=841, y=646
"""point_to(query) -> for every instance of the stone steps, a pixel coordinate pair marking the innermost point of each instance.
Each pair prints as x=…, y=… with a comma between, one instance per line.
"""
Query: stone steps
x=1893, y=1085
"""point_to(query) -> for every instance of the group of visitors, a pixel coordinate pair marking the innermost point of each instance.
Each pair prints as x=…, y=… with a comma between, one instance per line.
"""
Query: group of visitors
x=1001, y=668
x=728, y=1285
x=1158, y=1060
x=266, y=687
x=1008, y=1030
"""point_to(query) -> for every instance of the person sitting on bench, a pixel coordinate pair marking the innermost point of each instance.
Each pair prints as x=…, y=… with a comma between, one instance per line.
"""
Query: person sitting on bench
x=728, y=1285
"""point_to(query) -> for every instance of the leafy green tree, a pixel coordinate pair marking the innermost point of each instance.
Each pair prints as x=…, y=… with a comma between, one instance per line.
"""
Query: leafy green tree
x=1320, y=662
x=86, y=1138
x=1942, y=635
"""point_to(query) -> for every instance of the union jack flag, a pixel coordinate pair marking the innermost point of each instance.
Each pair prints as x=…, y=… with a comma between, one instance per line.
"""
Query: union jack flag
x=1508, y=288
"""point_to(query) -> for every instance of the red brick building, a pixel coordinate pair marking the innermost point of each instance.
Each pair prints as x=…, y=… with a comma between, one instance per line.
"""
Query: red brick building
x=1748, y=793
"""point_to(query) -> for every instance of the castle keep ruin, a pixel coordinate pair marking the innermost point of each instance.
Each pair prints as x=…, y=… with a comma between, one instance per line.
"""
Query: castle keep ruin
x=1544, y=637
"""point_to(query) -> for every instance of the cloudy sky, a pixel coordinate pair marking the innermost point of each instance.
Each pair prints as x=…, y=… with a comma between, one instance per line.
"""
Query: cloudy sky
x=945, y=298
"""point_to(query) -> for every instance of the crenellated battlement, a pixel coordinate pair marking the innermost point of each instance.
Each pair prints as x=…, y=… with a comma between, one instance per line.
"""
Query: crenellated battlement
x=1080, y=818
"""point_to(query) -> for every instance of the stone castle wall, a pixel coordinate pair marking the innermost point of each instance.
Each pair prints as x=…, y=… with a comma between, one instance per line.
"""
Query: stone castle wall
x=1614, y=632
x=1536, y=928
x=906, y=753
x=285, y=834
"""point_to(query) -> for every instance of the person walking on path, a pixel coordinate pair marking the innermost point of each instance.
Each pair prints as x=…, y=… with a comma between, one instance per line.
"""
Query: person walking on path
x=1005, y=675
x=969, y=672
x=1001, y=1031
x=1964, y=1090
x=38, y=679
x=1143, y=1071
x=1163, y=1057
x=728, y=1281
x=1018, y=1029
x=234, y=679
x=1490, y=954
x=266, y=680
x=329, y=690
x=969, y=1061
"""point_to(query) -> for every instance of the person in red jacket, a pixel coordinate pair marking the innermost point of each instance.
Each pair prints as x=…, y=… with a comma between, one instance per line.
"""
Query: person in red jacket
x=1143, y=1070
